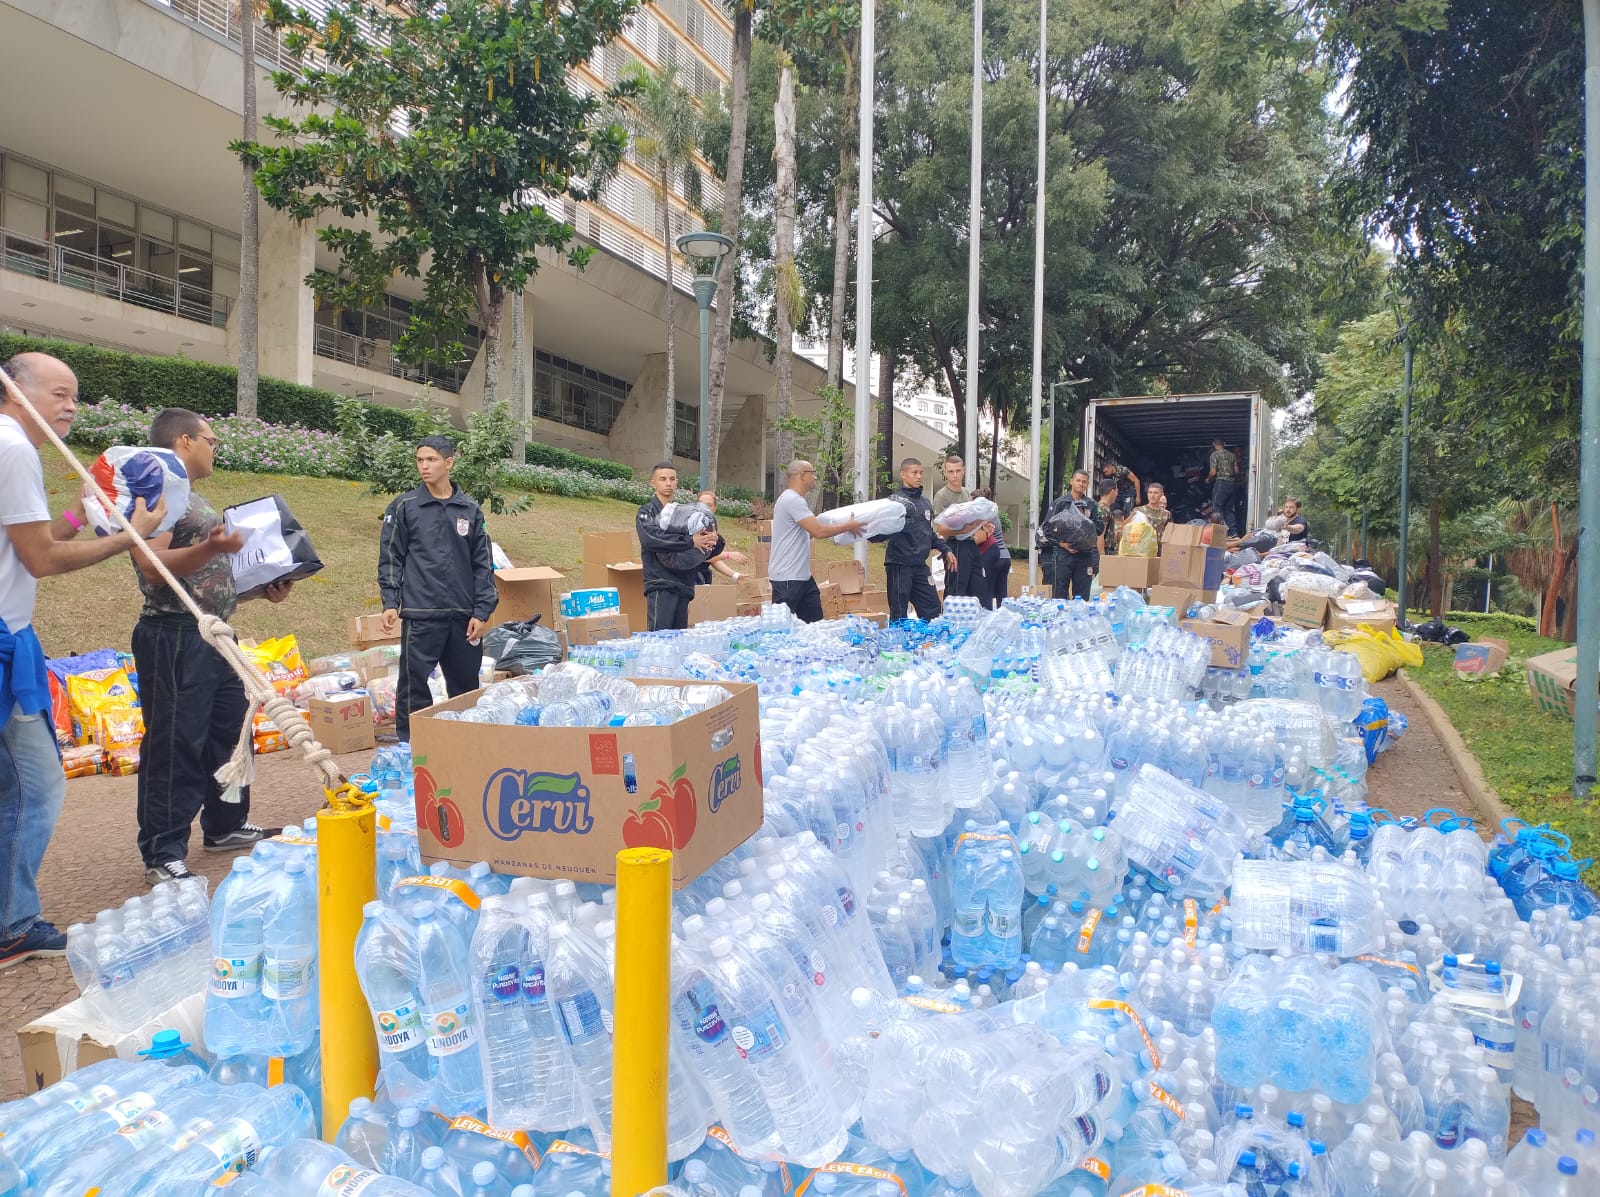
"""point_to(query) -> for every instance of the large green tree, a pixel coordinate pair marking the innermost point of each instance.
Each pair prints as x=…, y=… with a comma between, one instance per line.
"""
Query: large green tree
x=436, y=137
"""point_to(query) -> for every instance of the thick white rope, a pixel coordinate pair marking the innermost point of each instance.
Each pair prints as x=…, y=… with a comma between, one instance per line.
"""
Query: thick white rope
x=240, y=768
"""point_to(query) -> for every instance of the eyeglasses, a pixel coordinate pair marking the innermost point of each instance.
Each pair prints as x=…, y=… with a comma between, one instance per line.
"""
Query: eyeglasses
x=210, y=440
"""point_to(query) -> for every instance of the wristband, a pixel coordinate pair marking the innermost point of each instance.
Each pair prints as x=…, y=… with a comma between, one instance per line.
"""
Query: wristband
x=77, y=525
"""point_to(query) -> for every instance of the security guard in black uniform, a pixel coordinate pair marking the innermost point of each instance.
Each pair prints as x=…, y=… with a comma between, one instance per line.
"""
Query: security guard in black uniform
x=436, y=577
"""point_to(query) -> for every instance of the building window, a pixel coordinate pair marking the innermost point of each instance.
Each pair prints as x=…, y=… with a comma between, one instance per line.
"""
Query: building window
x=366, y=336
x=75, y=232
x=575, y=395
x=686, y=431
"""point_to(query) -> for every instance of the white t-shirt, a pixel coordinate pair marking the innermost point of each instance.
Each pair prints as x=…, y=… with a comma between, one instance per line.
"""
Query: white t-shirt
x=789, y=559
x=22, y=501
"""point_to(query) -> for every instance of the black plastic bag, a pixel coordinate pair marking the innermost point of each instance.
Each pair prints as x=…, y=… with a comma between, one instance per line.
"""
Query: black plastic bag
x=497, y=641
x=532, y=651
x=1070, y=526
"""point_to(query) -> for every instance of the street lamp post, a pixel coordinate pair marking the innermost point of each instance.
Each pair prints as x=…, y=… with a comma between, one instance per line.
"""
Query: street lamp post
x=705, y=246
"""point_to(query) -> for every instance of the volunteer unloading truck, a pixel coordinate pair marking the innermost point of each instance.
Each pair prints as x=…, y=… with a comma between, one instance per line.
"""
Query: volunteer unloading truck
x=1167, y=439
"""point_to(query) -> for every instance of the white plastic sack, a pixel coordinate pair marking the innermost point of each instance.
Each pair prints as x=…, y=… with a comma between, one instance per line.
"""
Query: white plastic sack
x=963, y=518
x=498, y=557
x=127, y=473
x=692, y=518
x=883, y=517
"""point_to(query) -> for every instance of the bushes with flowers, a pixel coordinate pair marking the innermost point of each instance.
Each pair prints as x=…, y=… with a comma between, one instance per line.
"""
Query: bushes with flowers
x=387, y=462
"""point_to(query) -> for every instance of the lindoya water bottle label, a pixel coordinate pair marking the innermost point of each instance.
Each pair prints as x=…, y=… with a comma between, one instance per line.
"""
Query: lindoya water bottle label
x=346, y=1180
x=131, y=1107
x=968, y=922
x=450, y=1028
x=236, y=1145
x=192, y=1131
x=762, y=1035
x=236, y=976
x=145, y=1130
x=580, y=1017
x=400, y=1029
x=284, y=978
x=99, y=1095
x=1002, y=923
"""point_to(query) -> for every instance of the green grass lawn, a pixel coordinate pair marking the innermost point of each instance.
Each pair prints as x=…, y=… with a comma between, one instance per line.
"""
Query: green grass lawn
x=1525, y=753
x=96, y=608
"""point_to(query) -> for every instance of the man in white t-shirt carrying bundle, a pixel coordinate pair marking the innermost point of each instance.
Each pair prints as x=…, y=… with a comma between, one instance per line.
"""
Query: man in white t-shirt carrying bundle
x=793, y=530
x=32, y=785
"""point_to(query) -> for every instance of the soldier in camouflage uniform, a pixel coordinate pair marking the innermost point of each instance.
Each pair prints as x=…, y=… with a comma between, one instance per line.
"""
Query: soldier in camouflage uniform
x=1222, y=476
x=193, y=703
x=1156, y=509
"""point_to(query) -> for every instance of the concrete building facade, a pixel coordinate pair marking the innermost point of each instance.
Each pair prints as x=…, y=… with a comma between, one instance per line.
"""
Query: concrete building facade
x=119, y=226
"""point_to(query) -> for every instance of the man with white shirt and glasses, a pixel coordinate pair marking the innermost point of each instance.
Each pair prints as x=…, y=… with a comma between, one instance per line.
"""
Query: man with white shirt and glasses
x=793, y=530
x=32, y=785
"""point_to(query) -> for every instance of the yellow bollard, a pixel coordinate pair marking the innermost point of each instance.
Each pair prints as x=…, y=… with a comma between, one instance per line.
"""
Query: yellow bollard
x=640, y=1020
x=346, y=882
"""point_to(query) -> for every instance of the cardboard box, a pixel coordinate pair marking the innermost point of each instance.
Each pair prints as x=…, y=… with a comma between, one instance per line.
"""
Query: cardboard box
x=600, y=549
x=873, y=600
x=343, y=724
x=1139, y=573
x=1196, y=566
x=590, y=601
x=627, y=578
x=720, y=600
x=364, y=632
x=563, y=801
x=1346, y=615
x=1179, y=535
x=1483, y=656
x=849, y=576
x=750, y=594
x=881, y=618
x=1304, y=609
x=1178, y=597
x=1553, y=681
x=592, y=629
x=1229, y=633
x=59, y=1043
x=524, y=593
x=832, y=601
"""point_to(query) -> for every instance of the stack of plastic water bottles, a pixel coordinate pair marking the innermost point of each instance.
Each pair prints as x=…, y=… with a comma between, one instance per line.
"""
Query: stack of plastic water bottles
x=1030, y=913
x=136, y=962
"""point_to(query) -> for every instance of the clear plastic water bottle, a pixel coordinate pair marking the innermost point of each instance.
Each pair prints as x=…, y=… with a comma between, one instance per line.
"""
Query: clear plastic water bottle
x=234, y=1005
x=386, y=966
x=289, y=955
x=444, y=989
x=584, y=1020
x=306, y=1166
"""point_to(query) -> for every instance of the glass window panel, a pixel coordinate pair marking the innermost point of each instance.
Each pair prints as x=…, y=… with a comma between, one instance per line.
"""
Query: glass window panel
x=116, y=208
x=225, y=281
x=26, y=217
x=27, y=180
x=75, y=232
x=116, y=244
x=73, y=196
x=155, y=224
x=194, y=236
x=194, y=271
x=225, y=249
x=158, y=259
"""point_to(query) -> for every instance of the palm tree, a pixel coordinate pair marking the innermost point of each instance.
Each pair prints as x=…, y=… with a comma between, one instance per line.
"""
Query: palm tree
x=663, y=122
x=249, y=227
x=732, y=211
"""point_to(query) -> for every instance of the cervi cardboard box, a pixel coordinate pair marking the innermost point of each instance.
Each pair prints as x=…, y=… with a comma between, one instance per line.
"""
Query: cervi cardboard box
x=1304, y=609
x=1229, y=634
x=524, y=593
x=1482, y=656
x=563, y=801
x=343, y=724
x=1553, y=681
x=1138, y=573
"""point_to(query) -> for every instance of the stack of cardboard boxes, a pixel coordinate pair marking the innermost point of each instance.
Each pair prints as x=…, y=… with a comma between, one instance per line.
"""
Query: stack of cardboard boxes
x=1306, y=610
x=1186, y=573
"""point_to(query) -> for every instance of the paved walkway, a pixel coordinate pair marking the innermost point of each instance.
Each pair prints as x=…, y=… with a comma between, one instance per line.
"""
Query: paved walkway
x=92, y=863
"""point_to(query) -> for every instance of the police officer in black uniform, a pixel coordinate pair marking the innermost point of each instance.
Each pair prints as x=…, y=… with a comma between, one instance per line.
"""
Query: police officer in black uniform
x=436, y=577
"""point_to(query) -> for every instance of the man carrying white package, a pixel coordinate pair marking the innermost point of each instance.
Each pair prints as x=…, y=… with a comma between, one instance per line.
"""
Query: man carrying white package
x=793, y=530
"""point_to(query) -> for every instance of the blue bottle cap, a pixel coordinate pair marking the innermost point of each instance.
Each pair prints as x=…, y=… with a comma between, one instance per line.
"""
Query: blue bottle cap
x=1567, y=1166
x=1247, y=1159
x=1243, y=1111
